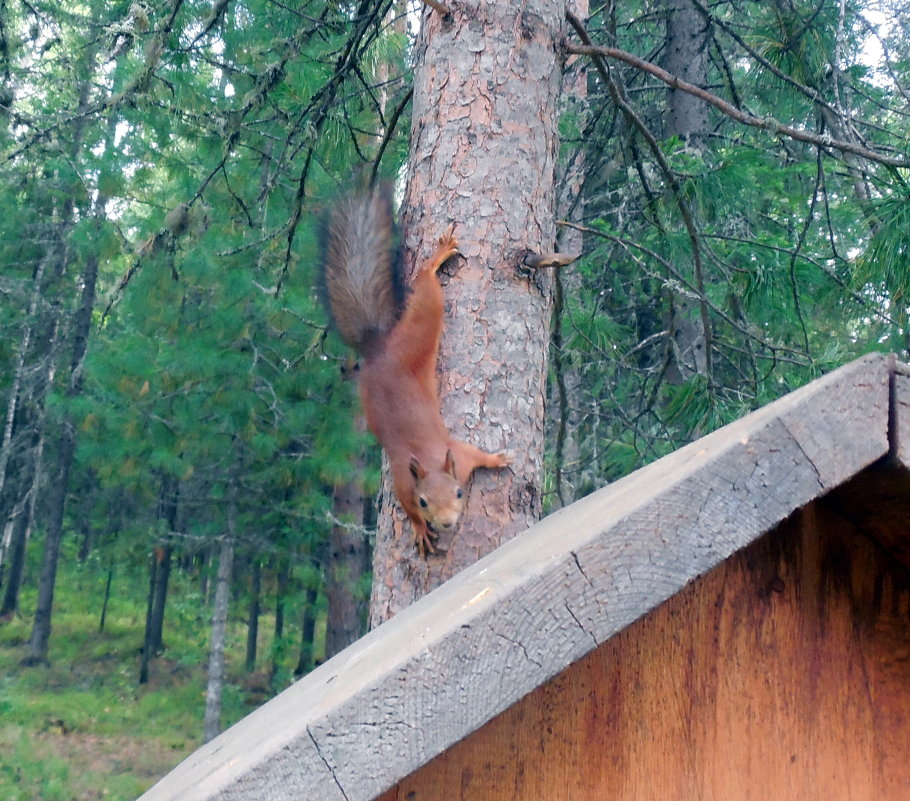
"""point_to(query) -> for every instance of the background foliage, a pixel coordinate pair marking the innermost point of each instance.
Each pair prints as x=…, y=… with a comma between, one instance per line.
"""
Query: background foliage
x=164, y=360
x=782, y=258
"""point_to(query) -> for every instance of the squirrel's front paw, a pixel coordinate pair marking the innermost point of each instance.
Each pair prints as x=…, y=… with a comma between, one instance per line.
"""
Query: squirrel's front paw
x=424, y=539
x=448, y=244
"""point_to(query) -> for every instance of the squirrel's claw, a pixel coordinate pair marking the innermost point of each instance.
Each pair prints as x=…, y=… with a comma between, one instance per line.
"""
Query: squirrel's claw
x=448, y=247
x=423, y=539
x=448, y=244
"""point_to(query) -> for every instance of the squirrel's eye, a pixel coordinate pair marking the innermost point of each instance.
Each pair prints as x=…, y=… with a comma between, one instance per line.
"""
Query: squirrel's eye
x=422, y=501
x=458, y=492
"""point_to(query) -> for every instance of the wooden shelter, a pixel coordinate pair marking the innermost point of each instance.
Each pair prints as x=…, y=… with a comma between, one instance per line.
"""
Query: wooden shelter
x=730, y=622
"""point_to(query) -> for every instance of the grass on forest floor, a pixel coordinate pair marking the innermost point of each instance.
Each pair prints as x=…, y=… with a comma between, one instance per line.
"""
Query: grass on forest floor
x=82, y=728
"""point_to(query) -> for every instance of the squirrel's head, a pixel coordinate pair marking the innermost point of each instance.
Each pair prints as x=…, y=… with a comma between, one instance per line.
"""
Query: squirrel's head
x=438, y=494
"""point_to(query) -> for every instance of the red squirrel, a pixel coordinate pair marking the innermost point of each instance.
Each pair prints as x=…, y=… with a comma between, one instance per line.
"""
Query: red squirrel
x=398, y=340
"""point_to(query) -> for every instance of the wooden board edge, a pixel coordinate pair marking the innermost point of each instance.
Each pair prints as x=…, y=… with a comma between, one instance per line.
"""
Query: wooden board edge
x=322, y=731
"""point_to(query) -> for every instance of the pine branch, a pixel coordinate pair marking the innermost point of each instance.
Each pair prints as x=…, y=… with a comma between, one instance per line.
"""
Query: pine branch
x=629, y=246
x=767, y=123
x=684, y=210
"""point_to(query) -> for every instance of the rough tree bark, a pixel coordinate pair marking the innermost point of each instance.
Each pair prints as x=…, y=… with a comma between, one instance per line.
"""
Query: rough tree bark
x=686, y=117
x=346, y=564
x=686, y=57
x=482, y=156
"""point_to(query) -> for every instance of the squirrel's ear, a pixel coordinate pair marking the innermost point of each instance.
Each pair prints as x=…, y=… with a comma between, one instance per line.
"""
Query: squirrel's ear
x=416, y=470
x=449, y=466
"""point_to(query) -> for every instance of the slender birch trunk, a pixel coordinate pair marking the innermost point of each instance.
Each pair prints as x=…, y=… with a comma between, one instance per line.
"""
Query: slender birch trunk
x=215, y=686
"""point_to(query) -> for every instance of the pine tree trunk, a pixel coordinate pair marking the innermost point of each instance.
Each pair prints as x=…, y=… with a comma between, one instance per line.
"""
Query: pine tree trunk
x=307, y=661
x=205, y=585
x=686, y=57
x=107, y=593
x=6, y=440
x=168, y=508
x=281, y=592
x=57, y=257
x=572, y=465
x=6, y=544
x=159, y=574
x=82, y=321
x=36, y=653
x=14, y=565
x=252, y=625
x=31, y=484
x=687, y=117
x=159, y=599
x=14, y=510
x=146, y=657
x=482, y=157
x=215, y=686
x=345, y=567
x=85, y=546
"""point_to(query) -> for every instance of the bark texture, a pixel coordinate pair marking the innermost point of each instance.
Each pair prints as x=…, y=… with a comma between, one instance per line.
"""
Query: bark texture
x=345, y=567
x=687, y=117
x=483, y=151
x=686, y=58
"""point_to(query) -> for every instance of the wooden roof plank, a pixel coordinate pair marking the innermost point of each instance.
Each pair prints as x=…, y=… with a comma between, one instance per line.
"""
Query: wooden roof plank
x=446, y=665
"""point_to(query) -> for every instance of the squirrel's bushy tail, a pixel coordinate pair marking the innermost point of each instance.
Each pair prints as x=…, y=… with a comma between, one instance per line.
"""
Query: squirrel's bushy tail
x=361, y=268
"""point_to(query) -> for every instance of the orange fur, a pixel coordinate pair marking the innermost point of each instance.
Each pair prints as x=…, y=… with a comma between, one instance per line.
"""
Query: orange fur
x=401, y=402
x=398, y=385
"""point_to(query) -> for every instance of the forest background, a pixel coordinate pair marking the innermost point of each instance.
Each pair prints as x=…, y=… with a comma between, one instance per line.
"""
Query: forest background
x=185, y=505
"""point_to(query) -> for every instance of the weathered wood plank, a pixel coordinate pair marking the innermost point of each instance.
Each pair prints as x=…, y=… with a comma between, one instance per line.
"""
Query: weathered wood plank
x=782, y=674
x=446, y=665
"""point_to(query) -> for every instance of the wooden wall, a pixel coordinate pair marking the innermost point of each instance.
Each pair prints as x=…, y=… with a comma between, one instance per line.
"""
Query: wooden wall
x=782, y=674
